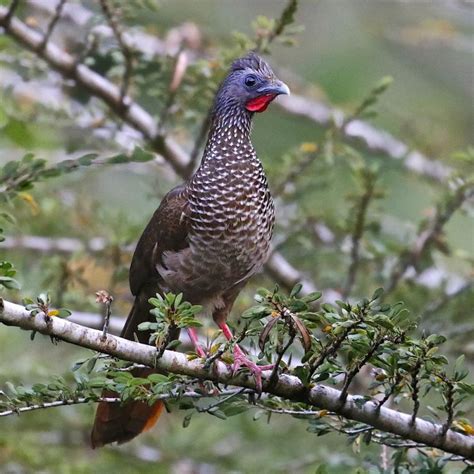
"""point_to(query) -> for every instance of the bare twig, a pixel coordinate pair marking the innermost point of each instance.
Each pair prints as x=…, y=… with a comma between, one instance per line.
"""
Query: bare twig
x=361, y=208
x=180, y=65
x=352, y=373
x=288, y=387
x=227, y=394
x=295, y=172
x=449, y=405
x=287, y=411
x=415, y=388
x=281, y=352
x=428, y=235
x=103, y=297
x=57, y=403
x=124, y=48
x=285, y=19
x=391, y=391
x=238, y=338
x=331, y=348
x=199, y=142
x=434, y=307
x=11, y=11
x=52, y=24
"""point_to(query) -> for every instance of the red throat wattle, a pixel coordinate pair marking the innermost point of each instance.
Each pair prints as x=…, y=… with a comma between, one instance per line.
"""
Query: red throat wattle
x=259, y=104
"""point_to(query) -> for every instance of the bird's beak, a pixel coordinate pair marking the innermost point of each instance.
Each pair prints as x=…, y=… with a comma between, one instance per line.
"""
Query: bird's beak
x=276, y=88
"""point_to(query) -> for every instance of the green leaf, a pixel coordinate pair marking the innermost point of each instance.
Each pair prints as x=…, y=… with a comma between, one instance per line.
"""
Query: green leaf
x=87, y=160
x=435, y=340
x=316, y=295
x=377, y=294
x=466, y=387
x=215, y=411
x=146, y=326
x=383, y=84
x=256, y=312
x=118, y=159
x=297, y=306
x=302, y=372
x=158, y=378
x=140, y=155
x=63, y=313
x=9, y=283
x=187, y=420
x=296, y=290
x=155, y=302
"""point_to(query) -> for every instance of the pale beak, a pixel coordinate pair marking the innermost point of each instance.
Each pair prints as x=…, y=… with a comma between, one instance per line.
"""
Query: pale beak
x=276, y=88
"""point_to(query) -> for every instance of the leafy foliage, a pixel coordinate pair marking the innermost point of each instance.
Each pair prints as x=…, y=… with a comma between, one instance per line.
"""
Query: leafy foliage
x=333, y=196
x=339, y=342
x=171, y=313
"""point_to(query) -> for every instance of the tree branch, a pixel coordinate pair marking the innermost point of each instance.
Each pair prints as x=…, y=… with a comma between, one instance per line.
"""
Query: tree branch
x=81, y=400
x=285, y=386
x=57, y=403
x=52, y=24
x=372, y=138
x=428, y=235
x=277, y=266
x=126, y=52
x=360, y=210
x=97, y=86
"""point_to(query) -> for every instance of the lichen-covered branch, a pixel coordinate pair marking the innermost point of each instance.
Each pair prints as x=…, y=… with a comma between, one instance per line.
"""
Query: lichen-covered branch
x=285, y=386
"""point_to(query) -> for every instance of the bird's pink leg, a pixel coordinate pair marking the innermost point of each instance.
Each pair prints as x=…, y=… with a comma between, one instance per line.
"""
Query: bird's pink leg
x=241, y=359
x=194, y=339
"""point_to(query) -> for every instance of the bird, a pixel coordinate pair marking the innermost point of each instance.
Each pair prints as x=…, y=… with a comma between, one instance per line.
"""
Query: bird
x=207, y=237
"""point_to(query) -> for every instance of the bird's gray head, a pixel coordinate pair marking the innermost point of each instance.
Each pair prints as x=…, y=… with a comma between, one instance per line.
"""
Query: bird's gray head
x=249, y=87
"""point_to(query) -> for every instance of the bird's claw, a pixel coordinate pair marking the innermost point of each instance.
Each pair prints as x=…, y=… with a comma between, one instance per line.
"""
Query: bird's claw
x=240, y=359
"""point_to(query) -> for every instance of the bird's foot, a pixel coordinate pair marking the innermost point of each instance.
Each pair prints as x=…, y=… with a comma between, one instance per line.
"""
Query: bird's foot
x=240, y=359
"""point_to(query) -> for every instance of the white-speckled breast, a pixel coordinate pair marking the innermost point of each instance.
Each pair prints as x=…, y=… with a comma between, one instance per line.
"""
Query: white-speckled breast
x=230, y=217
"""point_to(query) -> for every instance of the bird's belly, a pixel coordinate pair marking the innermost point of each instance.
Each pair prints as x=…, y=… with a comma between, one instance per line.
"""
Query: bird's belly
x=220, y=255
x=234, y=249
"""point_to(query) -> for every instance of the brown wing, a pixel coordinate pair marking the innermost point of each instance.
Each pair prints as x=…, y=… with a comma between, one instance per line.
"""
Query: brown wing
x=167, y=230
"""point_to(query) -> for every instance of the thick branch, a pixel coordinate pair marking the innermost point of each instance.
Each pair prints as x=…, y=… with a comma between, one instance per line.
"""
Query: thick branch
x=285, y=386
x=98, y=86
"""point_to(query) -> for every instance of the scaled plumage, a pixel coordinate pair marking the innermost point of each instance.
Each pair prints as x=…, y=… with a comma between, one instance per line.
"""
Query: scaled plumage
x=209, y=235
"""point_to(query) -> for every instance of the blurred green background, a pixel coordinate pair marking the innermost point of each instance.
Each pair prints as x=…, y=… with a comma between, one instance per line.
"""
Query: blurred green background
x=346, y=47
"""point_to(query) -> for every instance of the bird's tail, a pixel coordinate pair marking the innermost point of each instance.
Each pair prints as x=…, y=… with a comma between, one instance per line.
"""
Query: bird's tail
x=123, y=422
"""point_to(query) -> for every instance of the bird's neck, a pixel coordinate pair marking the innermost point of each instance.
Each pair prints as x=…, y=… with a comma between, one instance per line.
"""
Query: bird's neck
x=229, y=134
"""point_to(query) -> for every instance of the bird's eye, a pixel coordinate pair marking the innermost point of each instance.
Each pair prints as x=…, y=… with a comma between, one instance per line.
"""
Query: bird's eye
x=250, y=81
